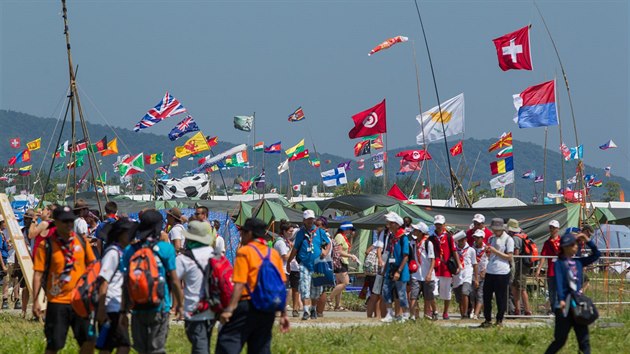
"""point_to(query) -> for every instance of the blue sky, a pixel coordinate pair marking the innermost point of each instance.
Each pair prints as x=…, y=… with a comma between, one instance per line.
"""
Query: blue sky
x=228, y=58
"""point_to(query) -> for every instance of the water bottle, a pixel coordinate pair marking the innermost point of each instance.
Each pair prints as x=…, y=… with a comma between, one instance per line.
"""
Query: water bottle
x=102, y=335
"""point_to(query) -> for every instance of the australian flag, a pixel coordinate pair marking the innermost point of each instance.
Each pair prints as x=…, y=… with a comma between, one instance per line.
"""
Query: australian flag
x=182, y=128
x=168, y=106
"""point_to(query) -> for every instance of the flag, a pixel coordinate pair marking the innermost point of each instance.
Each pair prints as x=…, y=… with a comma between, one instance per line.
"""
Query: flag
x=388, y=43
x=328, y=161
x=414, y=155
x=299, y=156
x=566, y=152
x=196, y=144
x=369, y=122
x=274, y=148
x=504, y=140
x=25, y=171
x=362, y=148
x=58, y=167
x=297, y=187
x=174, y=162
x=360, y=164
x=99, y=146
x=187, y=125
x=152, y=159
x=78, y=162
x=506, y=152
x=297, y=115
x=409, y=166
x=502, y=180
x=381, y=156
x=62, y=150
x=377, y=142
x=79, y=147
x=539, y=179
x=529, y=174
x=576, y=153
x=245, y=186
x=259, y=181
x=513, y=50
x=295, y=149
x=240, y=159
x=431, y=128
x=395, y=192
x=572, y=180
x=259, y=146
x=609, y=145
x=502, y=166
x=425, y=194
x=573, y=196
x=102, y=179
x=360, y=181
x=112, y=148
x=536, y=106
x=314, y=162
x=167, y=107
x=597, y=183
x=345, y=165
x=212, y=141
x=131, y=165
x=457, y=149
x=378, y=171
x=607, y=171
x=334, y=177
x=244, y=123
x=14, y=142
x=34, y=145
x=284, y=166
x=24, y=156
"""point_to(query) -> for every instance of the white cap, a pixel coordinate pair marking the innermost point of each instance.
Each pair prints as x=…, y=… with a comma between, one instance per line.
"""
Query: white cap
x=308, y=214
x=393, y=217
x=439, y=219
x=458, y=236
x=479, y=233
x=554, y=223
x=479, y=218
x=422, y=227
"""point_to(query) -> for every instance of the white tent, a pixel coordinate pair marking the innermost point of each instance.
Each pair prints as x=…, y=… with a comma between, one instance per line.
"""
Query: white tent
x=498, y=203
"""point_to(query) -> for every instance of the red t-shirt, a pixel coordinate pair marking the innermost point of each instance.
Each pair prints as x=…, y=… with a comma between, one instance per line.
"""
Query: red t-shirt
x=551, y=248
x=441, y=270
x=471, y=240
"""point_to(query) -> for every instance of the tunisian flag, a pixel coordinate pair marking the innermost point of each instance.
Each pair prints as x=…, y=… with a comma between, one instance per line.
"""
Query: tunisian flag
x=414, y=155
x=369, y=122
x=513, y=50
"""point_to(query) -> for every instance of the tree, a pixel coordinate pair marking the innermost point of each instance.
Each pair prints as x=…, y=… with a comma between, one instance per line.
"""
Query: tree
x=612, y=191
x=347, y=189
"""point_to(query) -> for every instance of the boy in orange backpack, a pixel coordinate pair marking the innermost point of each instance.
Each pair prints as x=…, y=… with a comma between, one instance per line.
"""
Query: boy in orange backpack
x=149, y=278
x=60, y=261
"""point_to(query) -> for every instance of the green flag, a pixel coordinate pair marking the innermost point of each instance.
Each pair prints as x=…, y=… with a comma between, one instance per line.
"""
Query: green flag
x=132, y=165
x=58, y=167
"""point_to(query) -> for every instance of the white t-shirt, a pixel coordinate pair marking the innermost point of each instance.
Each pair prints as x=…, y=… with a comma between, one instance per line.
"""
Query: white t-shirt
x=219, y=245
x=81, y=227
x=177, y=233
x=496, y=264
x=111, y=273
x=281, y=246
x=482, y=261
x=427, y=253
x=469, y=259
x=192, y=277
x=380, y=241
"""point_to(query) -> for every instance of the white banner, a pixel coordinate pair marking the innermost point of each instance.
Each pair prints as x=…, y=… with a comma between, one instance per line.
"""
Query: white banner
x=502, y=180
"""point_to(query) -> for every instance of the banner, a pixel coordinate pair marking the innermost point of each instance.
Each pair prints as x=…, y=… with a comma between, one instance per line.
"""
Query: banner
x=187, y=187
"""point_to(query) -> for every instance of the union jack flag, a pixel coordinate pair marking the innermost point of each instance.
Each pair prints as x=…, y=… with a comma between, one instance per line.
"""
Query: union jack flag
x=167, y=107
x=182, y=128
x=297, y=116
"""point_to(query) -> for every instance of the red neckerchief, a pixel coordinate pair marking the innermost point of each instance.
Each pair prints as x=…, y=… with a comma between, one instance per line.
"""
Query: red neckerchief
x=461, y=252
x=67, y=248
x=394, y=240
x=261, y=240
x=346, y=239
x=480, y=251
x=419, y=247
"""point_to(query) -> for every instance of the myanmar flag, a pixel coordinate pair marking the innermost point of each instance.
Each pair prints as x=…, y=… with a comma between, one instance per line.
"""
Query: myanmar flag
x=194, y=145
x=502, y=166
x=299, y=156
x=152, y=159
x=296, y=149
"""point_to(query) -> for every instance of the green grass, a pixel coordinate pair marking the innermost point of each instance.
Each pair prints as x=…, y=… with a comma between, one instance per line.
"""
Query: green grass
x=20, y=336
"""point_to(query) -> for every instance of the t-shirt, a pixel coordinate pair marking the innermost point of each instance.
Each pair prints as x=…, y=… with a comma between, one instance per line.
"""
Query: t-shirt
x=82, y=257
x=177, y=233
x=309, y=246
x=247, y=263
x=165, y=257
x=497, y=265
x=426, y=255
x=340, y=240
x=398, y=247
x=283, y=249
x=470, y=239
x=468, y=258
x=551, y=248
x=193, y=279
x=110, y=271
x=219, y=245
x=445, y=249
x=81, y=227
x=4, y=246
x=482, y=259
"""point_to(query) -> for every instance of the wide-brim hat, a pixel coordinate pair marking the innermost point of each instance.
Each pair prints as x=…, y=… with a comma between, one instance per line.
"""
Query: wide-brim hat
x=175, y=213
x=497, y=224
x=201, y=232
x=80, y=204
x=513, y=226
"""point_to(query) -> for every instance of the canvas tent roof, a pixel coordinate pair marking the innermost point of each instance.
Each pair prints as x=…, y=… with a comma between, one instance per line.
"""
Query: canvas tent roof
x=357, y=203
x=498, y=203
x=619, y=216
x=613, y=237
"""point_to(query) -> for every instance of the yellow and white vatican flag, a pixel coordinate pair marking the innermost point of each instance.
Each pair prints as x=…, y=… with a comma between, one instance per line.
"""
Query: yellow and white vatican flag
x=431, y=128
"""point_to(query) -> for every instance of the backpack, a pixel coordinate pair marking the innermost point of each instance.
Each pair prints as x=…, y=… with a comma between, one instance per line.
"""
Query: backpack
x=219, y=283
x=335, y=255
x=529, y=248
x=270, y=293
x=145, y=285
x=84, y=299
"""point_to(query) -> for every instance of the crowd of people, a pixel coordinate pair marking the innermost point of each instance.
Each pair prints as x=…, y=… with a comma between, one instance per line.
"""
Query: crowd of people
x=407, y=262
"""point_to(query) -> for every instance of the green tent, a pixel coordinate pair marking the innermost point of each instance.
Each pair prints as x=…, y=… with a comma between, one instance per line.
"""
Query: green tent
x=245, y=211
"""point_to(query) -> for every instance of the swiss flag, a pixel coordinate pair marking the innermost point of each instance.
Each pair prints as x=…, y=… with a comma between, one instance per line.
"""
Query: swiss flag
x=369, y=122
x=414, y=155
x=513, y=50
x=14, y=142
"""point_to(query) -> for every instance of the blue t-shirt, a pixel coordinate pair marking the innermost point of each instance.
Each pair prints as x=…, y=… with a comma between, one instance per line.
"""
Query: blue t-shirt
x=400, y=249
x=165, y=257
x=309, y=246
x=4, y=247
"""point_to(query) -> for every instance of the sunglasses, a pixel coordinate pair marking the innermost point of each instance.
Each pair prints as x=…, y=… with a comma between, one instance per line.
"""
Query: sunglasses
x=197, y=214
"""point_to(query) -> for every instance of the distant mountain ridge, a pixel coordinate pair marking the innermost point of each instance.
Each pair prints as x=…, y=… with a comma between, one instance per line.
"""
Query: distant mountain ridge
x=527, y=156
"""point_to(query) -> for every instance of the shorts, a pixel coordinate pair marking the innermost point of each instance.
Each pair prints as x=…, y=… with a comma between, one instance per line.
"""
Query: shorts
x=477, y=294
x=395, y=290
x=461, y=291
x=294, y=280
x=149, y=330
x=416, y=289
x=369, y=281
x=60, y=317
x=444, y=284
x=428, y=290
x=342, y=269
x=306, y=288
x=16, y=273
x=520, y=276
x=118, y=336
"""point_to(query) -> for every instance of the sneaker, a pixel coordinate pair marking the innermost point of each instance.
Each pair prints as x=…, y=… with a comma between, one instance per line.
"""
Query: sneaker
x=305, y=316
x=485, y=324
x=5, y=304
x=18, y=305
x=528, y=313
x=435, y=316
x=412, y=318
x=474, y=317
x=387, y=319
x=428, y=317
x=296, y=313
x=314, y=315
x=498, y=323
x=445, y=316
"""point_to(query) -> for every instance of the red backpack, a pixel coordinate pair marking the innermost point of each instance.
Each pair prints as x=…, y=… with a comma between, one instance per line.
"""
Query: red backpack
x=529, y=249
x=145, y=286
x=84, y=298
x=219, y=285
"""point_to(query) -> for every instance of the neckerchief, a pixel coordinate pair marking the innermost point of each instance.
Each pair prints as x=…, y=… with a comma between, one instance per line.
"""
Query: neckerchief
x=461, y=252
x=347, y=241
x=67, y=248
x=480, y=252
x=394, y=240
x=572, y=272
x=421, y=246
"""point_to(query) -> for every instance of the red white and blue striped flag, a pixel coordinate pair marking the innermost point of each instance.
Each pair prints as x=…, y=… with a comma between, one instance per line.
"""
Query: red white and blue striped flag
x=167, y=107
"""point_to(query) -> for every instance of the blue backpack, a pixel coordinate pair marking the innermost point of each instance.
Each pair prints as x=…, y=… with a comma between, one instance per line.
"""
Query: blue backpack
x=270, y=293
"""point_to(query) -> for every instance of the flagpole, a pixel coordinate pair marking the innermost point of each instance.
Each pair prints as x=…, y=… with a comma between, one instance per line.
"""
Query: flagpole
x=290, y=188
x=544, y=168
x=424, y=142
x=385, y=164
x=563, y=180
x=437, y=95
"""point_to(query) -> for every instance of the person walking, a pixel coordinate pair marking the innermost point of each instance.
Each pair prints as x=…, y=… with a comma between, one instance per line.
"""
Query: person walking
x=482, y=263
x=396, y=274
x=522, y=268
x=284, y=245
x=467, y=278
x=243, y=323
x=191, y=266
x=500, y=250
x=550, y=249
x=569, y=273
x=60, y=261
x=479, y=223
x=447, y=247
x=176, y=230
x=342, y=244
